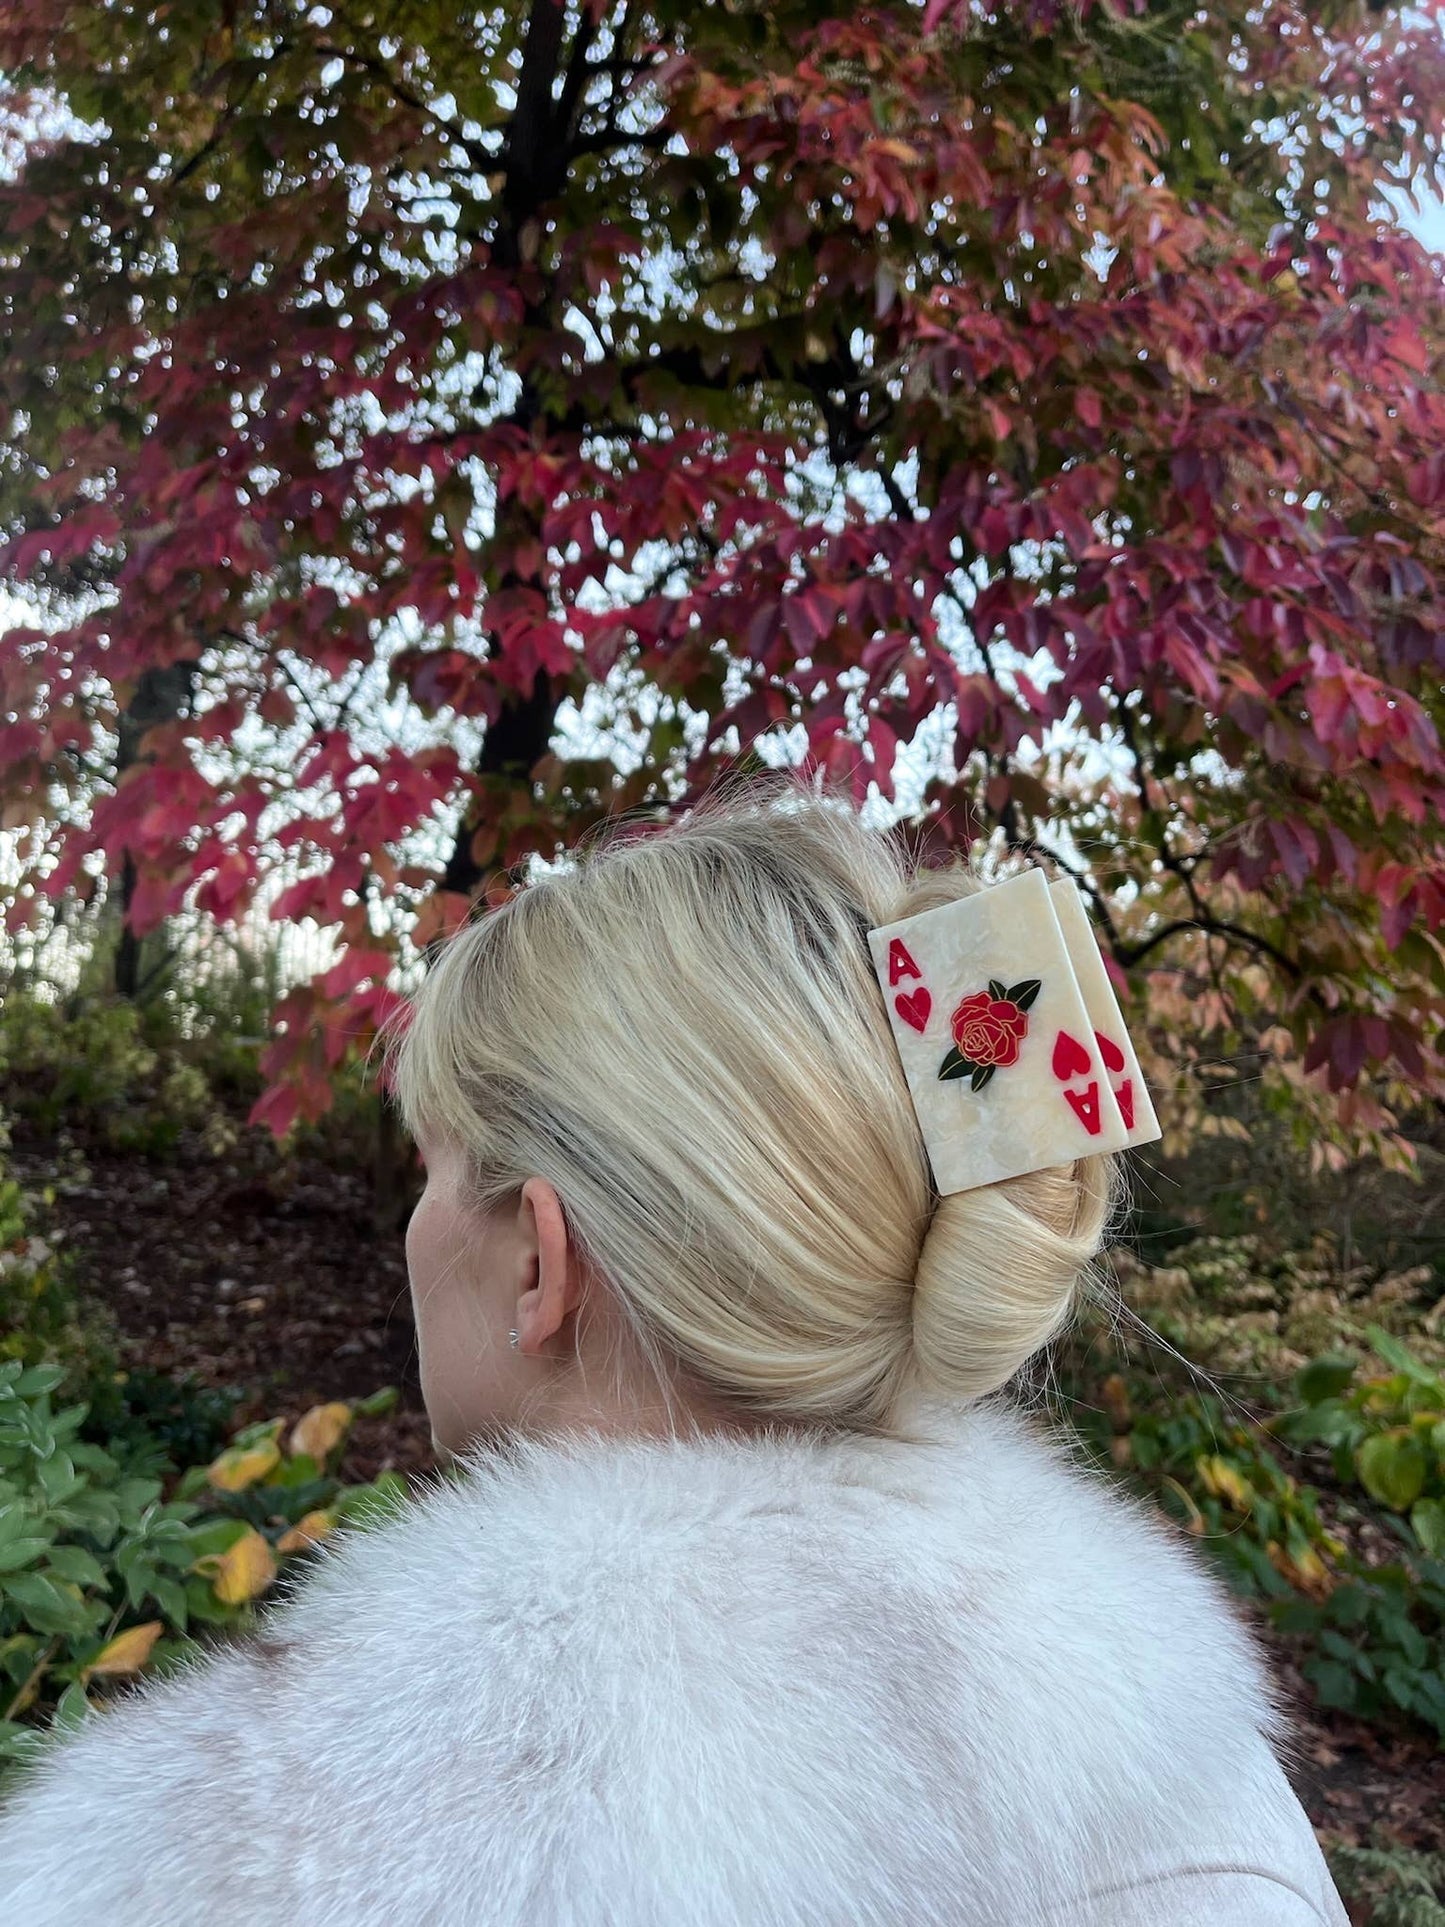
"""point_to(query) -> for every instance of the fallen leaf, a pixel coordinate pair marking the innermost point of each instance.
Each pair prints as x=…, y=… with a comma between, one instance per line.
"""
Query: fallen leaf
x=319, y=1431
x=128, y=1651
x=306, y=1532
x=243, y=1572
x=243, y=1465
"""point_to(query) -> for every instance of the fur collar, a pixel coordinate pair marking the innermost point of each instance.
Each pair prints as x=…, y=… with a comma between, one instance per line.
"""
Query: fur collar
x=797, y=1682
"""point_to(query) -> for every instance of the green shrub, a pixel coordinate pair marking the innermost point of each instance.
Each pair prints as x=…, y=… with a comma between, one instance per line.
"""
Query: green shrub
x=1387, y=1432
x=1223, y=1484
x=1400, y=1888
x=1380, y=1635
x=103, y=1577
x=1372, y=1630
x=90, y=1066
x=41, y=1315
x=131, y=1410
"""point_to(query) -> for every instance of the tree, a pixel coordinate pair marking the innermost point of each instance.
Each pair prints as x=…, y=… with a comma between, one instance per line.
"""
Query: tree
x=770, y=372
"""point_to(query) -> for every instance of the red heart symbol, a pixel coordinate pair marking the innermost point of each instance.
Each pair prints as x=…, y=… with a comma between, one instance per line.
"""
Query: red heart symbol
x=1070, y=1057
x=1110, y=1052
x=914, y=1007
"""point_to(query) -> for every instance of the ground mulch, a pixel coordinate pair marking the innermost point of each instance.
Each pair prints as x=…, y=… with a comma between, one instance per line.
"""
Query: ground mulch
x=273, y=1275
x=251, y=1272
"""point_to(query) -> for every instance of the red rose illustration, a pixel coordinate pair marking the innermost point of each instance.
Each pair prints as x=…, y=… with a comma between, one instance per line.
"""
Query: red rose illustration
x=988, y=1030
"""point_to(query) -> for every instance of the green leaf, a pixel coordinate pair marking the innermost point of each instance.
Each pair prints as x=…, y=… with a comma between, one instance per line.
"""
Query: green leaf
x=302, y=1470
x=1337, y=1645
x=18, y=1654
x=982, y=1074
x=1430, y=1697
x=170, y=1596
x=140, y=1583
x=1401, y=1359
x=40, y=1378
x=72, y=1709
x=368, y=1505
x=216, y=1535
x=18, y=1742
x=1334, y=1684
x=1349, y=1604
x=1412, y=1643
x=134, y=1495
x=47, y=1607
x=192, y=1481
x=20, y=1552
x=1024, y=994
x=270, y=1428
x=1325, y=1377
x=956, y=1065
x=77, y=1565
x=1392, y=1467
x=1328, y=1421
x=58, y=1478
x=202, y=1603
x=1427, y=1516
x=379, y=1403
x=996, y=989
x=92, y=1512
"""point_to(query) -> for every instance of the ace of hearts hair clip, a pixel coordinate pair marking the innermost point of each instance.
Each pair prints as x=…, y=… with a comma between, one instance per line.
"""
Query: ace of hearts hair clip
x=1009, y=1032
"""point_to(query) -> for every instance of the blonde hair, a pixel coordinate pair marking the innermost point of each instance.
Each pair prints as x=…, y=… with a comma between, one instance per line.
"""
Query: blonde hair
x=684, y=1035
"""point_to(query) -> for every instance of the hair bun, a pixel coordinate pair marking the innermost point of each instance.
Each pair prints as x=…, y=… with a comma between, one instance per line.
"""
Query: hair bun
x=1002, y=1269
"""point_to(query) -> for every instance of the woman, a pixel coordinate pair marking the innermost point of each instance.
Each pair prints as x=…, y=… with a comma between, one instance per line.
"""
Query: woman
x=757, y=1602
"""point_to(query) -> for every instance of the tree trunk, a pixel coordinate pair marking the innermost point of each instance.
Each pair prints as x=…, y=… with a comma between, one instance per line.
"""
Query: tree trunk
x=161, y=695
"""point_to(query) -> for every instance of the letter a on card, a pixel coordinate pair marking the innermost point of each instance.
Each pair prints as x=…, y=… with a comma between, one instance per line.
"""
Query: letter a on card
x=900, y=964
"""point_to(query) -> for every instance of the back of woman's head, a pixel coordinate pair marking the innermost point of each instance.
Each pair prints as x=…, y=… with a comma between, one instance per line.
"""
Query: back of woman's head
x=684, y=1035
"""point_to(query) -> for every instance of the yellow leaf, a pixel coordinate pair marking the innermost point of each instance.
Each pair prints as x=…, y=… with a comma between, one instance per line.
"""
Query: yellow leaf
x=307, y=1532
x=320, y=1430
x=1221, y=1478
x=243, y=1572
x=128, y=1651
x=1305, y=1569
x=243, y=1465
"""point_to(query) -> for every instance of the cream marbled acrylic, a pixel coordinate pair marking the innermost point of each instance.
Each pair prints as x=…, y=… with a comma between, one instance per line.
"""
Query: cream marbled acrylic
x=1022, y=1119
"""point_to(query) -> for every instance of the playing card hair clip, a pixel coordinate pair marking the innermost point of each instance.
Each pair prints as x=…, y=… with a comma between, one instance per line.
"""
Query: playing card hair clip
x=1010, y=1034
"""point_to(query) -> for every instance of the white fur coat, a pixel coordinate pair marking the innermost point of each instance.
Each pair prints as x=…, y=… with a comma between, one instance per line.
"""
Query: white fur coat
x=753, y=1682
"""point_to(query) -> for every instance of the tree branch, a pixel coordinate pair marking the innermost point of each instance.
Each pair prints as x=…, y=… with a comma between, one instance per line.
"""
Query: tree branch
x=372, y=64
x=533, y=159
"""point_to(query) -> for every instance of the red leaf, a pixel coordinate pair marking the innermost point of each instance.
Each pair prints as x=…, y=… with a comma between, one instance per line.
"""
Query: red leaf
x=356, y=967
x=1401, y=341
x=883, y=745
x=227, y=890
x=276, y=1109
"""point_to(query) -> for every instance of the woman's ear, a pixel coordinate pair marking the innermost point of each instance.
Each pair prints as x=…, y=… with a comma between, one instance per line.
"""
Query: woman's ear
x=554, y=1287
